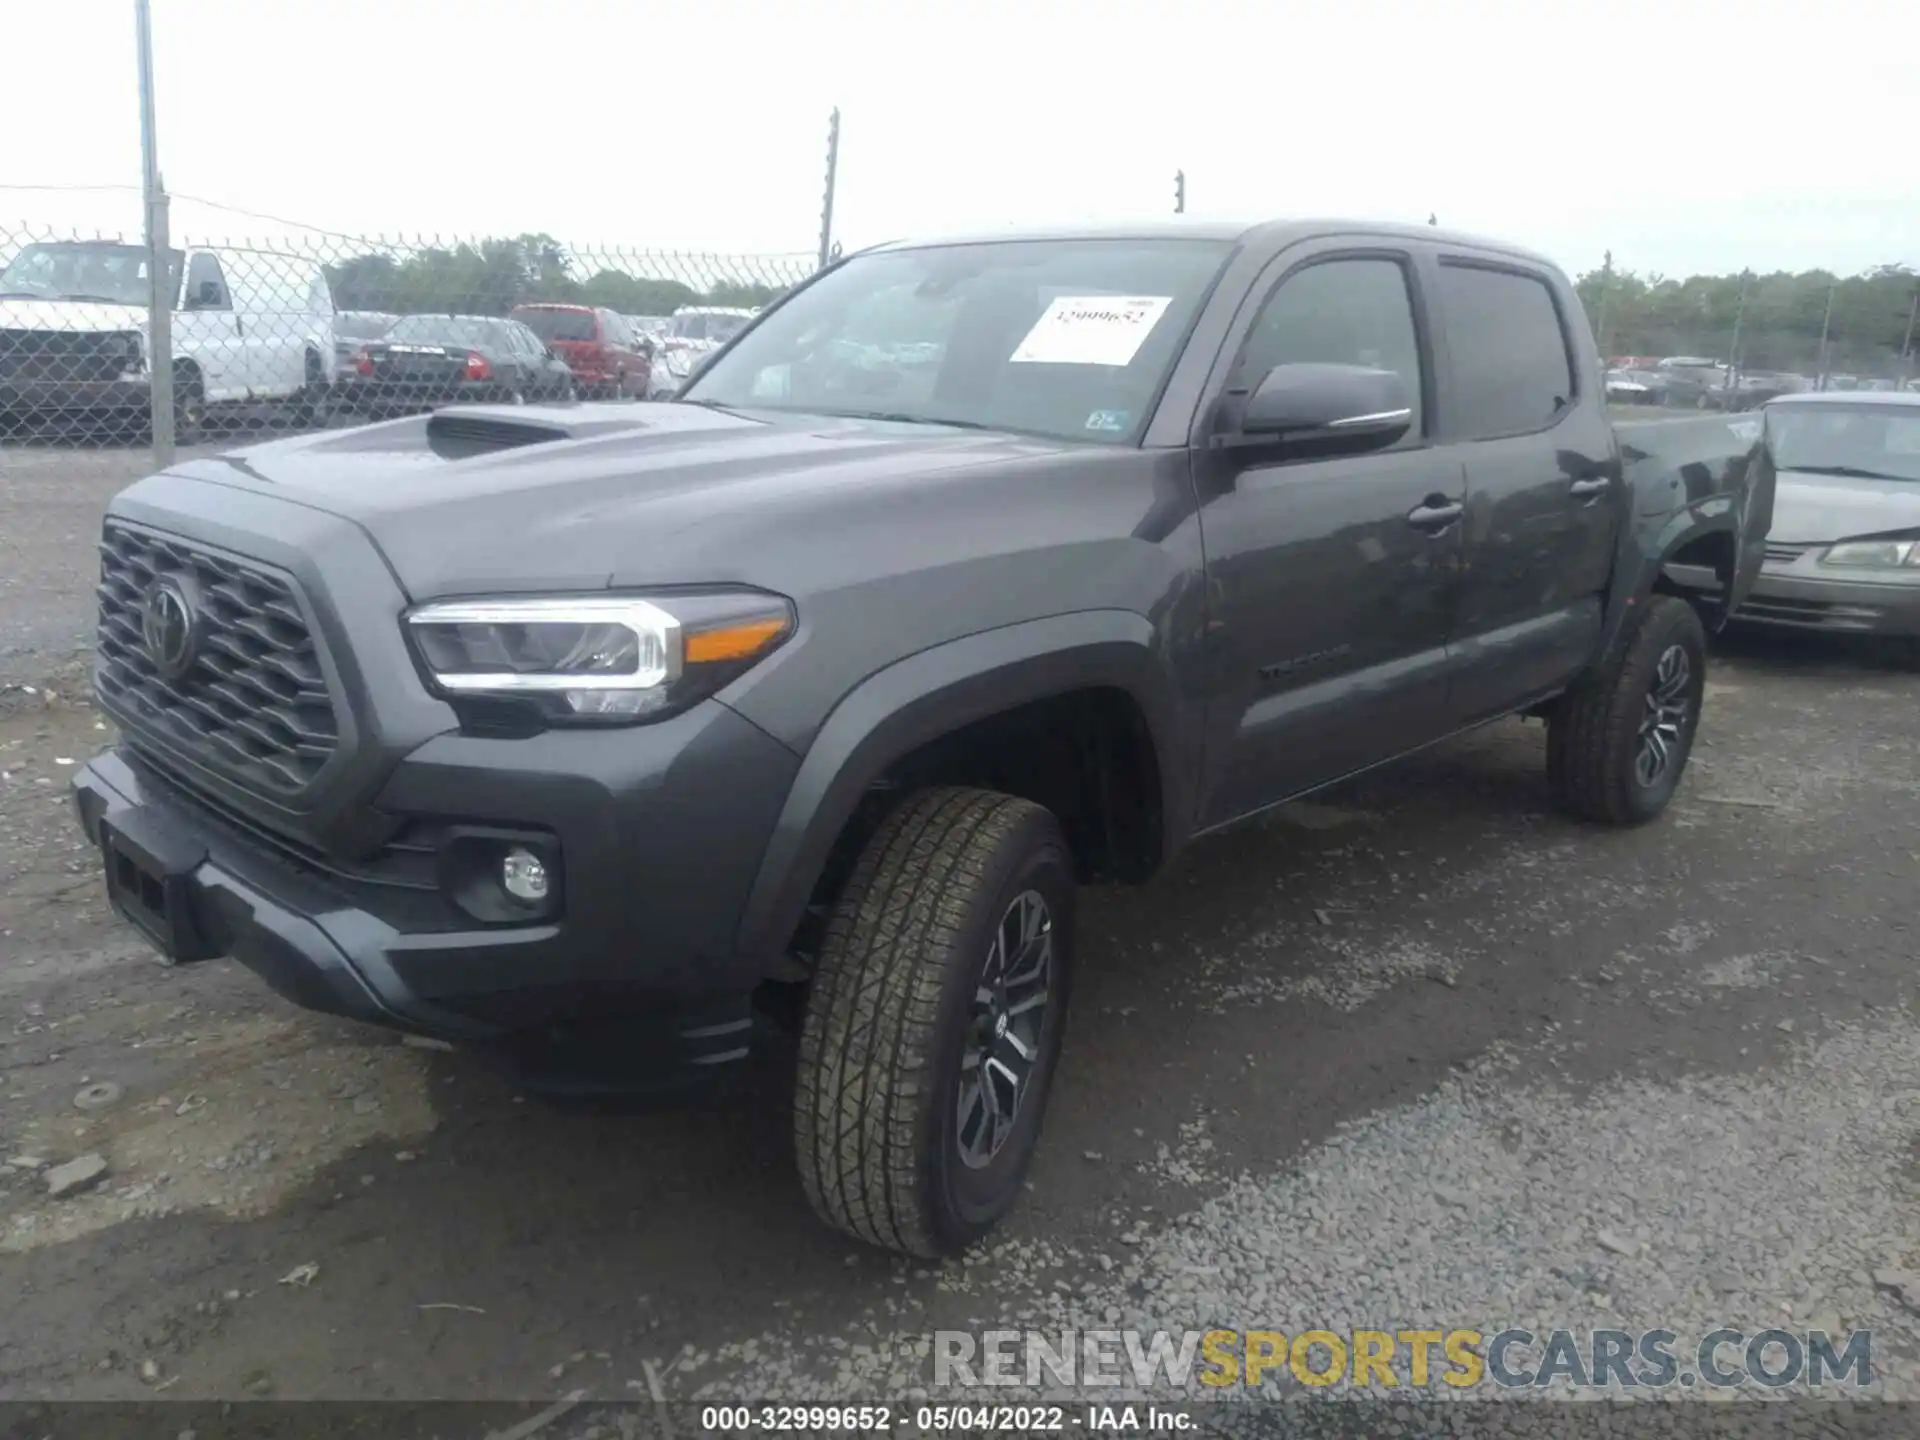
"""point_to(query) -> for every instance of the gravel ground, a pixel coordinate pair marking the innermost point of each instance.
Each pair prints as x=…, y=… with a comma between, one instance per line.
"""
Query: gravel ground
x=1417, y=1053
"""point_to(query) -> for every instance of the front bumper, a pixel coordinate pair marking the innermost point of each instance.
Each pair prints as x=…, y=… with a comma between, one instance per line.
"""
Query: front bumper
x=1786, y=597
x=77, y=397
x=658, y=829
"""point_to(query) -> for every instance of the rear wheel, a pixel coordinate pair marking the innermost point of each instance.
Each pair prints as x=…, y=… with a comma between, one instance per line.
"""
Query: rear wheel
x=934, y=1022
x=1618, y=742
x=310, y=404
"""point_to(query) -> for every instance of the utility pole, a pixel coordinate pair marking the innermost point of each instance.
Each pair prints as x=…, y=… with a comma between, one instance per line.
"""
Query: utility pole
x=1826, y=323
x=833, y=174
x=1906, y=345
x=1739, y=318
x=1179, y=192
x=1606, y=292
x=159, y=269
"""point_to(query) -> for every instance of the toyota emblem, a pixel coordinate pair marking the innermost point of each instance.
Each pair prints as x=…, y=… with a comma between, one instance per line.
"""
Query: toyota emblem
x=168, y=627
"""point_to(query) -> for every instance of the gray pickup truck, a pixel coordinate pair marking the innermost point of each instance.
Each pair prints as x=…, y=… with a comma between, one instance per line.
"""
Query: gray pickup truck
x=607, y=740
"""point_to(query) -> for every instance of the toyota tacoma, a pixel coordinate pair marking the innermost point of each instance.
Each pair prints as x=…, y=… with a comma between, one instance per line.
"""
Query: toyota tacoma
x=972, y=571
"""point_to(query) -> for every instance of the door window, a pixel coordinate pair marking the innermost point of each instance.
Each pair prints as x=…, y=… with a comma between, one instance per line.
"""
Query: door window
x=1356, y=311
x=203, y=271
x=1511, y=371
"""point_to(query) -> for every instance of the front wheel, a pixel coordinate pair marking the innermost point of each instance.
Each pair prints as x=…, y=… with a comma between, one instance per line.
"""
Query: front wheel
x=934, y=1022
x=1618, y=742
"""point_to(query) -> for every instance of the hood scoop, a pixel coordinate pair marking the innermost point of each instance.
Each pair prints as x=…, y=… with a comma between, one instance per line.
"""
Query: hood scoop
x=464, y=431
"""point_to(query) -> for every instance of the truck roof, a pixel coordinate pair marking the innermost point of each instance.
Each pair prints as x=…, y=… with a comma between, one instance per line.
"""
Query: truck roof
x=1906, y=398
x=1276, y=232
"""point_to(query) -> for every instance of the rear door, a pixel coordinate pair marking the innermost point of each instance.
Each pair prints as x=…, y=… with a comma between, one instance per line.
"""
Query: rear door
x=1331, y=594
x=1542, y=471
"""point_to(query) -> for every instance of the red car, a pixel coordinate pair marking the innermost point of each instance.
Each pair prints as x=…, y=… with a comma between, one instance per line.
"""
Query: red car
x=608, y=361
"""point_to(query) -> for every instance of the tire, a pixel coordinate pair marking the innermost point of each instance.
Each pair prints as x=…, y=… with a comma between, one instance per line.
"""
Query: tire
x=189, y=405
x=892, y=1021
x=310, y=403
x=1605, y=734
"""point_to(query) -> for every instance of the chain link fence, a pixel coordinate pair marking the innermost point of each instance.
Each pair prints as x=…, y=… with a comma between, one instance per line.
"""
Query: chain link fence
x=313, y=331
x=327, y=330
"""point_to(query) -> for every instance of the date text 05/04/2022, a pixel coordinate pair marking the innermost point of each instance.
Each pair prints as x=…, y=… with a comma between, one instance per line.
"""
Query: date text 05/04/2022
x=942, y=1419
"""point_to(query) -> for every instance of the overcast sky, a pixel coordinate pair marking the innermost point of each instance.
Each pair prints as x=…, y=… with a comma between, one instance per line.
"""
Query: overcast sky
x=1702, y=135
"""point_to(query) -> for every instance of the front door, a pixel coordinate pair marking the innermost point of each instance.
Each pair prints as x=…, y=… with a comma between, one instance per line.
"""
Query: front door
x=1331, y=580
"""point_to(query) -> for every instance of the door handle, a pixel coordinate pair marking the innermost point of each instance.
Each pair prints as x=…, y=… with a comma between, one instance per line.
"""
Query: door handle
x=1435, y=514
x=1587, y=489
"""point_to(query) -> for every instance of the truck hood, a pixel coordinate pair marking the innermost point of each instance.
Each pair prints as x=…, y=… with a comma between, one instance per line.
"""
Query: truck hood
x=608, y=494
x=71, y=316
x=1820, y=509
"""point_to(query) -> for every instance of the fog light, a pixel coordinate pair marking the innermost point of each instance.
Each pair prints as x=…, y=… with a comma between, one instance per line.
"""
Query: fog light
x=524, y=876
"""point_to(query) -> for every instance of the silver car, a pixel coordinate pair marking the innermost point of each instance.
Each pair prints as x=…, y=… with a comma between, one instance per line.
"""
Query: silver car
x=1843, y=554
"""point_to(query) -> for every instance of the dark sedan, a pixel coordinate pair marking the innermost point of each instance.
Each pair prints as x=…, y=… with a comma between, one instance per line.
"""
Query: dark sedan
x=429, y=360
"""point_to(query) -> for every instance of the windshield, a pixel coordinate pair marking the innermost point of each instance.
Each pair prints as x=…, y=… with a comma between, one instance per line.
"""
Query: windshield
x=447, y=330
x=82, y=270
x=551, y=325
x=707, y=327
x=1860, y=441
x=1064, y=338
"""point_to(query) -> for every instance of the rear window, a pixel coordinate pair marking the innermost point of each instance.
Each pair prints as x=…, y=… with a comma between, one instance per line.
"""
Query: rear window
x=551, y=325
x=1512, y=372
x=708, y=327
x=354, y=325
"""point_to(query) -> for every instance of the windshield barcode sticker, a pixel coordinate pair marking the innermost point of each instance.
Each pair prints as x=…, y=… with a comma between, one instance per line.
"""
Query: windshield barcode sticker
x=1092, y=330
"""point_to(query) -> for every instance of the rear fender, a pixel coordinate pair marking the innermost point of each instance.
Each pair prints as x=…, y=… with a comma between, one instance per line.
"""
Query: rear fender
x=933, y=693
x=1690, y=480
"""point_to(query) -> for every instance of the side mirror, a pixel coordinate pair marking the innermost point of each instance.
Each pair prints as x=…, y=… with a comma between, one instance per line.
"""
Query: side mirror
x=1340, y=408
x=207, y=296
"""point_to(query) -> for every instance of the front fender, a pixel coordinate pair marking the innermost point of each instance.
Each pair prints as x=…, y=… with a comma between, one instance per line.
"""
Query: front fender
x=935, y=692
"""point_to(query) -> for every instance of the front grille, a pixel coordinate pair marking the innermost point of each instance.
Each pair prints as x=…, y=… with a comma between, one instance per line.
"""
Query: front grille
x=1785, y=554
x=61, y=355
x=255, y=705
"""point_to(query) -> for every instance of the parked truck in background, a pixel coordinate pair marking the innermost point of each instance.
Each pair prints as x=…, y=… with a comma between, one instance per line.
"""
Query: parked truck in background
x=249, y=327
x=970, y=572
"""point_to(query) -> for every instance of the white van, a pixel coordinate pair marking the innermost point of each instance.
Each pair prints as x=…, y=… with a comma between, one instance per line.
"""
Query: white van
x=248, y=326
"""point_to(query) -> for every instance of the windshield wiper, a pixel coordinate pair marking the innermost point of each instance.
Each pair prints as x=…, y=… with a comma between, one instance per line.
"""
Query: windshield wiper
x=96, y=299
x=709, y=405
x=21, y=295
x=1846, y=472
x=895, y=418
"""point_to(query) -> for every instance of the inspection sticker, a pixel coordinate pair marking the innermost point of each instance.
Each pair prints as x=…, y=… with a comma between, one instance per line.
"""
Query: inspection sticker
x=1092, y=330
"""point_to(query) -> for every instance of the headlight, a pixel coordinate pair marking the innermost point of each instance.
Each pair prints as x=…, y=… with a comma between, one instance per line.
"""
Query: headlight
x=1873, y=554
x=605, y=660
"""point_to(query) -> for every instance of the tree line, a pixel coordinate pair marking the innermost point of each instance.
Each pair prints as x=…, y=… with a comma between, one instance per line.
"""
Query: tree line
x=490, y=277
x=1779, y=318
